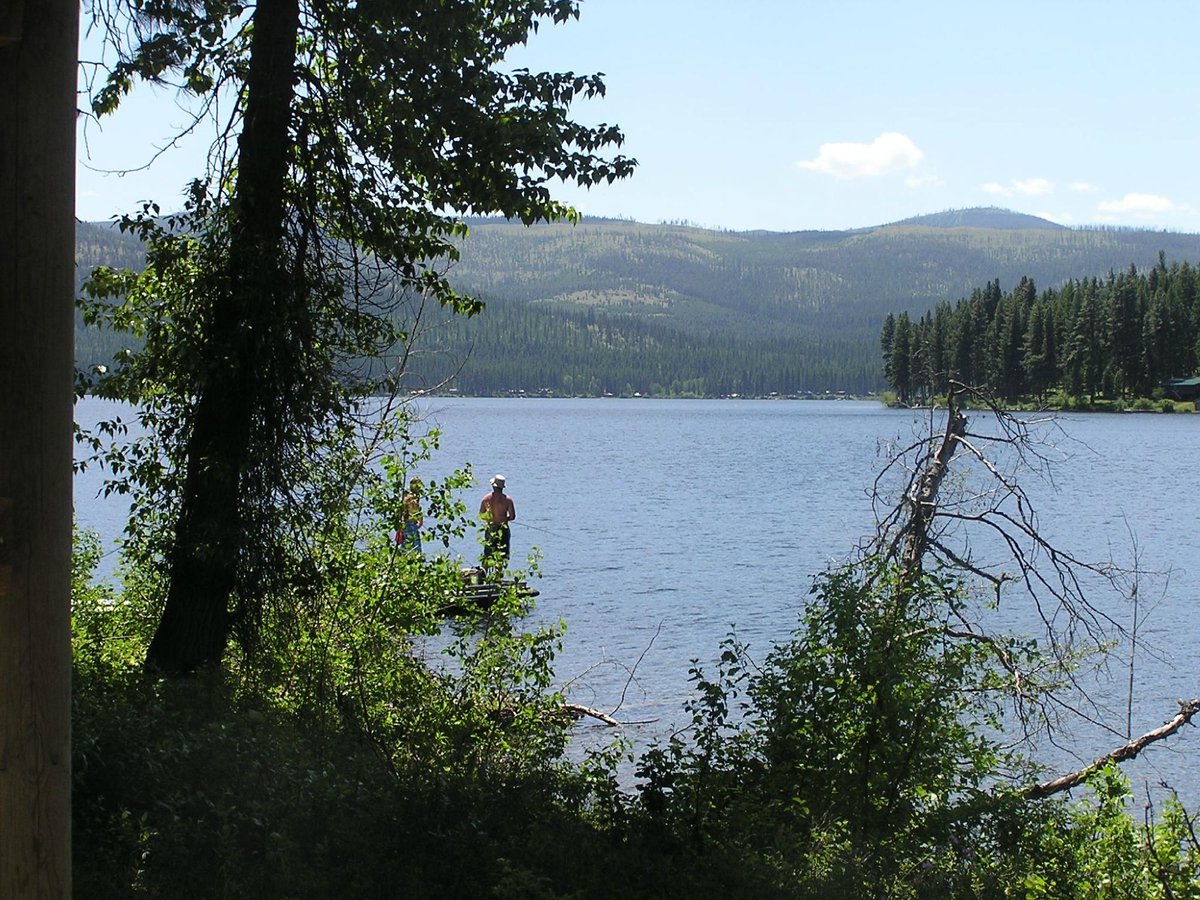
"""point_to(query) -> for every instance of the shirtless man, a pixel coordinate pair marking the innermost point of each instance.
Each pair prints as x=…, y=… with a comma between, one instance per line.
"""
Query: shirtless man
x=496, y=510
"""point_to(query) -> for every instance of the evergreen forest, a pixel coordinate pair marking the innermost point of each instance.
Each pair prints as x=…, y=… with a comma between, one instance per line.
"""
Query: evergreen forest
x=1125, y=336
x=616, y=307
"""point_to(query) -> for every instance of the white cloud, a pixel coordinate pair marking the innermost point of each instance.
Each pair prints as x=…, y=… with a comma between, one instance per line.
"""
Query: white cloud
x=1082, y=187
x=1141, y=205
x=888, y=153
x=1025, y=187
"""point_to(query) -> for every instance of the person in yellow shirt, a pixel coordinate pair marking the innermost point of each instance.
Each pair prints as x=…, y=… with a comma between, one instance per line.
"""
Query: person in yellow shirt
x=408, y=537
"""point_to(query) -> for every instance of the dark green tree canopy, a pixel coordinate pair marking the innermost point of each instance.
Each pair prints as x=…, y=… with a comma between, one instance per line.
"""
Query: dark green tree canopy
x=1123, y=337
x=358, y=136
x=400, y=119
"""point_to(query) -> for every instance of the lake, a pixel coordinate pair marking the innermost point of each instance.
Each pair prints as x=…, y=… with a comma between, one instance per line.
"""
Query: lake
x=663, y=525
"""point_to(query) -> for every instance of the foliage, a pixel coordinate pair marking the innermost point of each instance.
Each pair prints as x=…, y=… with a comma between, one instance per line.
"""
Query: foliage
x=184, y=791
x=1096, y=848
x=364, y=768
x=357, y=140
x=107, y=632
x=674, y=311
x=337, y=769
x=855, y=751
x=866, y=761
x=858, y=759
x=873, y=701
x=1092, y=343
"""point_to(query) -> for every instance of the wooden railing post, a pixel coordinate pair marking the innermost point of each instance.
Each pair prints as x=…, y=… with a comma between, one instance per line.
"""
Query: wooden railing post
x=38, y=53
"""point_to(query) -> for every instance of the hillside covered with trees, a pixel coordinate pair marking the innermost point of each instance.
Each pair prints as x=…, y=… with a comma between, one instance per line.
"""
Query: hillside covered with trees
x=617, y=306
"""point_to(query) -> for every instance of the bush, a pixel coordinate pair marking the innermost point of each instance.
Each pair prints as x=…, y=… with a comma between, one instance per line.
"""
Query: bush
x=858, y=759
x=864, y=763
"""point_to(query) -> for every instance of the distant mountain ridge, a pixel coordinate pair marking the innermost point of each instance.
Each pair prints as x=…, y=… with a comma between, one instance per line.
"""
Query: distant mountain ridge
x=981, y=217
x=619, y=306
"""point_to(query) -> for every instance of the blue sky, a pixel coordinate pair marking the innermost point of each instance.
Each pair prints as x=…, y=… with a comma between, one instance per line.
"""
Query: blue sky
x=787, y=115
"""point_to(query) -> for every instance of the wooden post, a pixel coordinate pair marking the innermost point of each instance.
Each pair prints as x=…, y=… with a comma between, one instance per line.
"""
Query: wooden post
x=38, y=53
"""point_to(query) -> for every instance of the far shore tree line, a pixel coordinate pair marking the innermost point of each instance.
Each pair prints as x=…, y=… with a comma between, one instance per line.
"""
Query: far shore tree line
x=1118, y=338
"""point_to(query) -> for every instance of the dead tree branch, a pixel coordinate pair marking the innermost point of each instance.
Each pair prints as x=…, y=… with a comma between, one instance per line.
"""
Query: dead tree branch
x=1125, y=752
x=579, y=711
x=921, y=499
x=981, y=523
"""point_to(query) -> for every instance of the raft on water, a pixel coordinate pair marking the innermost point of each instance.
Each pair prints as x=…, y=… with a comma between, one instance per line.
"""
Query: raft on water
x=479, y=593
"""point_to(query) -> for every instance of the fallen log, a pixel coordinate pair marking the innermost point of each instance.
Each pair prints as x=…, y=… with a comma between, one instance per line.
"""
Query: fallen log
x=1187, y=709
x=579, y=711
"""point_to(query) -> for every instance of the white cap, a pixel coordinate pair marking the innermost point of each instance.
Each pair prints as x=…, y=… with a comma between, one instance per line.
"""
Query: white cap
x=497, y=480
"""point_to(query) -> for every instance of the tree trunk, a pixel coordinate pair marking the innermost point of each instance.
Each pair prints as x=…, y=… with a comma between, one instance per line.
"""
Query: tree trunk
x=248, y=313
x=922, y=499
x=38, y=52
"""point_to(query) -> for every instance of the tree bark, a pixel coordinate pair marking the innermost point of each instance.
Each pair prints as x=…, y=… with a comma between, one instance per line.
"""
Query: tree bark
x=922, y=500
x=38, y=52
x=248, y=310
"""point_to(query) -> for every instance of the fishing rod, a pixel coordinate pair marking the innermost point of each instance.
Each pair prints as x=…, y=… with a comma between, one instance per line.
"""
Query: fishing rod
x=565, y=537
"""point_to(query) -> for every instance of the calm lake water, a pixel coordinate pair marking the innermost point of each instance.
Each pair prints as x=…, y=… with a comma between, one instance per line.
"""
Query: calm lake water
x=665, y=525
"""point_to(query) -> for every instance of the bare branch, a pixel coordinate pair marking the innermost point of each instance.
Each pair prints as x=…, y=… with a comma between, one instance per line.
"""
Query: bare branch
x=580, y=711
x=1187, y=710
x=921, y=499
x=983, y=525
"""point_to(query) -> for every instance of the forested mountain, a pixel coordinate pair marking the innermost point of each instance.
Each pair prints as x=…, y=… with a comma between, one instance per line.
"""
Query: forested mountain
x=982, y=217
x=100, y=244
x=618, y=306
